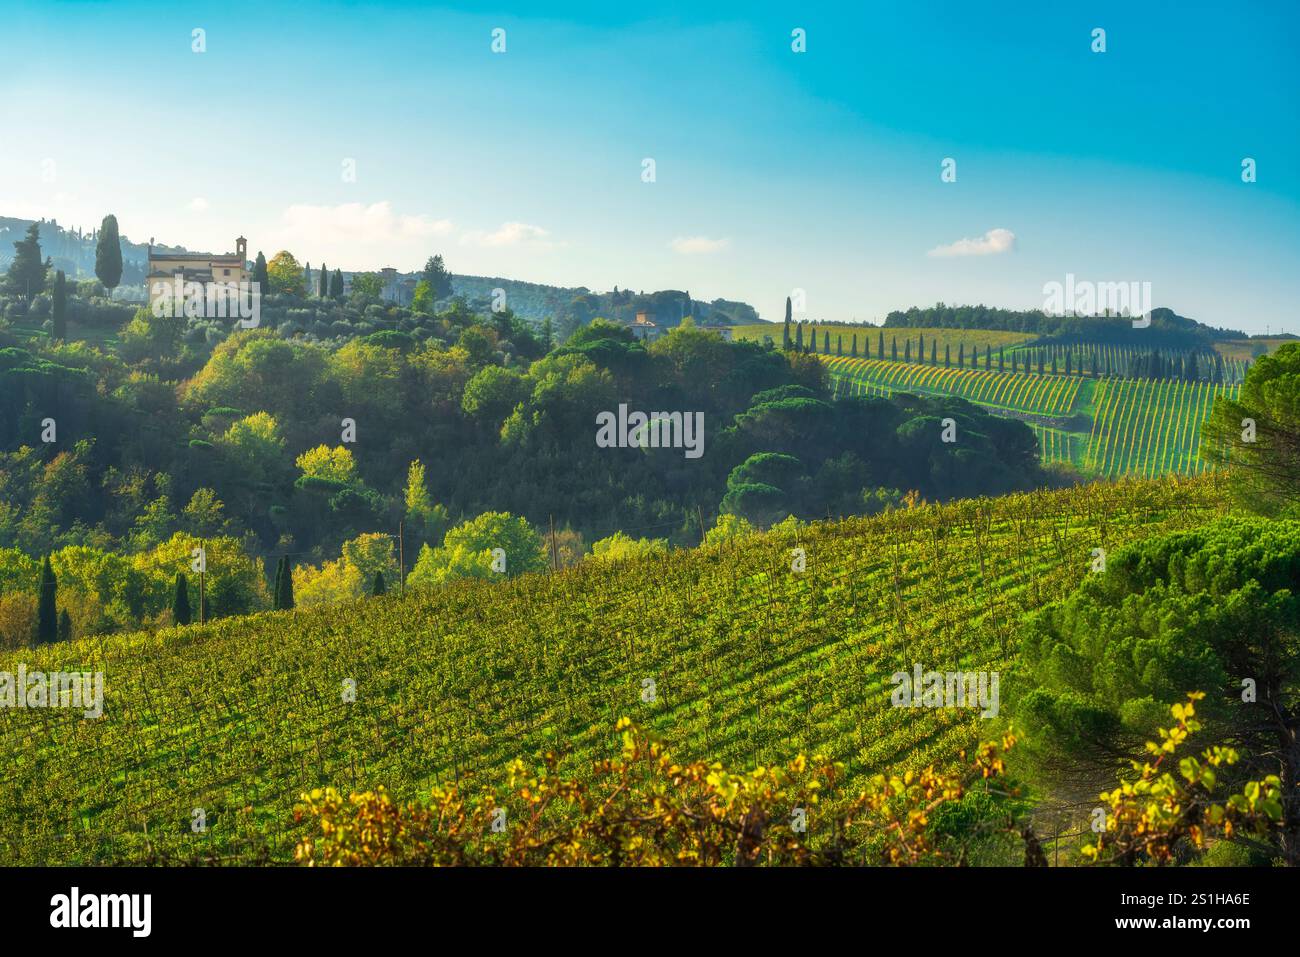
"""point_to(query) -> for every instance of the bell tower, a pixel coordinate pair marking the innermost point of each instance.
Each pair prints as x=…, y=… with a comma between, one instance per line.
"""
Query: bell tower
x=241, y=250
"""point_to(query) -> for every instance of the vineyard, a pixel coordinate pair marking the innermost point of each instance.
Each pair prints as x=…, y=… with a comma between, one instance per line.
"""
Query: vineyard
x=726, y=651
x=1058, y=447
x=1102, y=427
x=1149, y=428
x=1014, y=352
x=1044, y=395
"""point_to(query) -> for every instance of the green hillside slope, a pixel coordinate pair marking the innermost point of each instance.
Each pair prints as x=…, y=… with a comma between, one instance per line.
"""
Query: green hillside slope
x=1100, y=426
x=726, y=651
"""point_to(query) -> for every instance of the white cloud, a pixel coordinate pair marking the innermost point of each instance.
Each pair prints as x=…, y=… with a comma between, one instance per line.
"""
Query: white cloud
x=990, y=244
x=356, y=223
x=198, y=205
x=510, y=234
x=692, y=245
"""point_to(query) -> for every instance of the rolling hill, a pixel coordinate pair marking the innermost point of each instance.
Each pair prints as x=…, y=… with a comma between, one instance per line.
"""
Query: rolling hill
x=726, y=651
x=1103, y=426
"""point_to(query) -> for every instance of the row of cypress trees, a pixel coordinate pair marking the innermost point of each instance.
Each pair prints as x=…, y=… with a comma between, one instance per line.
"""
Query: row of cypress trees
x=329, y=285
x=1148, y=364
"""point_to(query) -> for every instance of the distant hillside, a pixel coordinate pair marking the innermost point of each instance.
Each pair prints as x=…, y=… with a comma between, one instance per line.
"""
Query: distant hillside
x=73, y=250
x=748, y=665
x=579, y=305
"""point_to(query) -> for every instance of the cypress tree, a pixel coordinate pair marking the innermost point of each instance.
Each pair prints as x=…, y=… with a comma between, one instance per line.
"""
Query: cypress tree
x=907, y=350
x=323, y=287
x=181, y=601
x=277, y=590
x=893, y=348
x=826, y=342
x=839, y=345
x=286, y=589
x=934, y=353
x=988, y=358
x=65, y=625
x=108, y=254
x=259, y=274
x=947, y=355
x=853, y=347
x=961, y=355
x=1002, y=360
x=785, y=336
x=59, y=307
x=798, y=337
x=920, y=348
x=880, y=345
x=1053, y=363
x=378, y=588
x=1067, y=362
x=47, y=616
x=336, y=285
x=27, y=271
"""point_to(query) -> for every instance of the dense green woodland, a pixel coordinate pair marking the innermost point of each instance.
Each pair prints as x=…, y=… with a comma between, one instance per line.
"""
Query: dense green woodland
x=339, y=419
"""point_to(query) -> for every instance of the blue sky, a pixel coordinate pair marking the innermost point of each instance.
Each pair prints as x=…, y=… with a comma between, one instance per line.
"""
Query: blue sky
x=775, y=170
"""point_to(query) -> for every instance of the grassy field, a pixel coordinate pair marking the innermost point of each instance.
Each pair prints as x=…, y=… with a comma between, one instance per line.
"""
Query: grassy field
x=1244, y=350
x=1101, y=427
x=868, y=337
x=749, y=661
